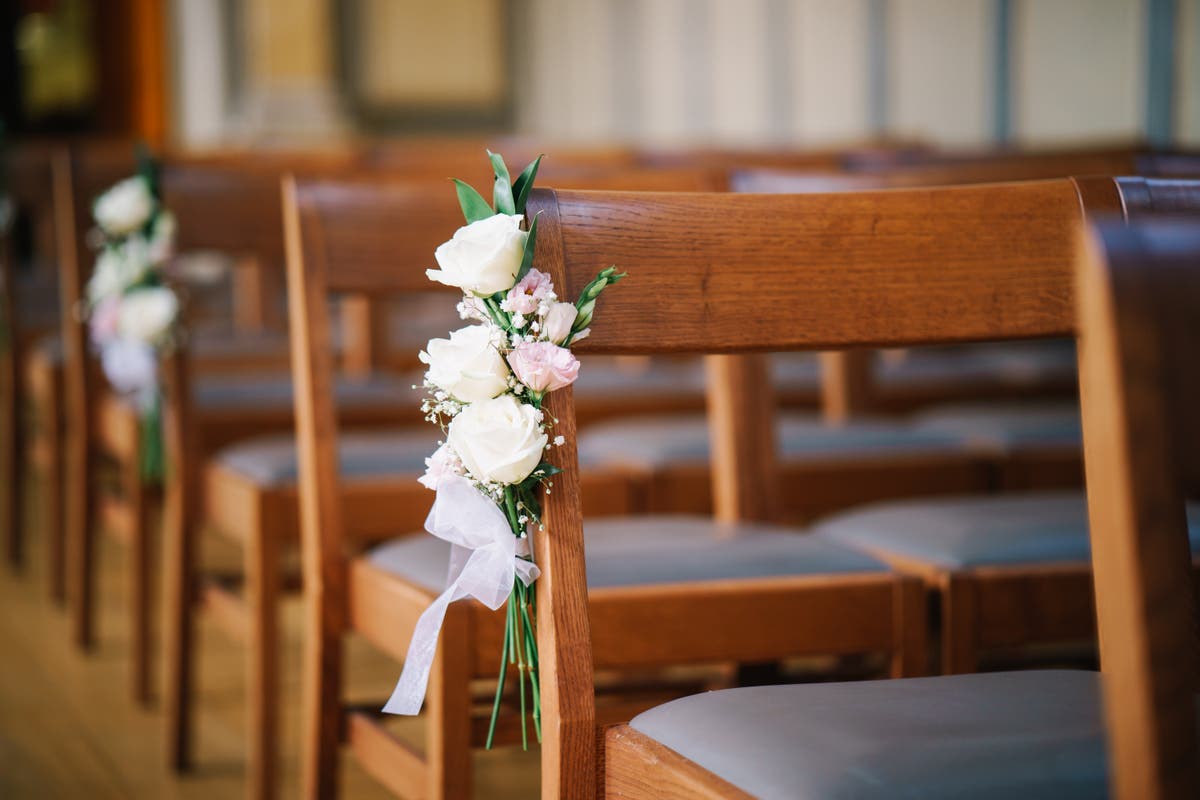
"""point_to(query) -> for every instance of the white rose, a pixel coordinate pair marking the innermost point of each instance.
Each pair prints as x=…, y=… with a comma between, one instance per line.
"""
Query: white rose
x=498, y=440
x=558, y=322
x=147, y=314
x=483, y=257
x=125, y=207
x=107, y=276
x=466, y=365
x=118, y=268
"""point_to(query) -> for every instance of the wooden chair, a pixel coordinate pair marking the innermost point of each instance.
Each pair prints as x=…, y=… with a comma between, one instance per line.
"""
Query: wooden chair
x=1009, y=570
x=934, y=265
x=340, y=242
x=33, y=359
x=1010, y=734
x=247, y=492
x=1138, y=290
x=958, y=444
x=104, y=427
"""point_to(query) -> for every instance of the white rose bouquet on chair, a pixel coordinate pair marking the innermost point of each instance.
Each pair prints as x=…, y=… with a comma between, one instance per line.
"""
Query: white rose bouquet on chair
x=485, y=386
x=131, y=311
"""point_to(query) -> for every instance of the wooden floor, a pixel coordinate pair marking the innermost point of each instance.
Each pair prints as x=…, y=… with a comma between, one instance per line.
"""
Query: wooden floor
x=68, y=728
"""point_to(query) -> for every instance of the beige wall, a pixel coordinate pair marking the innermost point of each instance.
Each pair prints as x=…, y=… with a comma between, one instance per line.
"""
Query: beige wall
x=1079, y=69
x=1187, y=91
x=940, y=70
x=738, y=71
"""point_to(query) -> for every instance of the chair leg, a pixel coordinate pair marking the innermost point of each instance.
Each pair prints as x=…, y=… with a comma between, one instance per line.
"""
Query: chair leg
x=11, y=495
x=80, y=545
x=178, y=629
x=137, y=498
x=910, y=656
x=263, y=587
x=960, y=654
x=322, y=691
x=51, y=498
x=448, y=711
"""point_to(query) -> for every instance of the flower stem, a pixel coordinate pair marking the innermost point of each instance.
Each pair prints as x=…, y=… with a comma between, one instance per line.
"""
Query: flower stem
x=504, y=659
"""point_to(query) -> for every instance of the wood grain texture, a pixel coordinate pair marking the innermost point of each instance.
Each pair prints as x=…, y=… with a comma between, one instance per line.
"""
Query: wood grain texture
x=11, y=422
x=1138, y=293
x=741, y=427
x=178, y=557
x=321, y=533
x=563, y=630
x=639, y=768
x=831, y=270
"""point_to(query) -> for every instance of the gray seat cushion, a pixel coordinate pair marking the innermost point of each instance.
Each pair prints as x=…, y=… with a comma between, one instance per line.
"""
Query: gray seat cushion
x=656, y=441
x=632, y=551
x=1036, y=735
x=983, y=530
x=605, y=376
x=241, y=390
x=1011, y=363
x=271, y=460
x=1007, y=425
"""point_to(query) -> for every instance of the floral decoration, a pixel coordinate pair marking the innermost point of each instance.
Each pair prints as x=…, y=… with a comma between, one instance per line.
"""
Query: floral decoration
x=485, y=387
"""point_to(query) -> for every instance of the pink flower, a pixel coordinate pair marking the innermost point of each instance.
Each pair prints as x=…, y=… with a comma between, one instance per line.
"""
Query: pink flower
x=443, y=462
x=544, y=366
x=102, y=324
x=528, y=293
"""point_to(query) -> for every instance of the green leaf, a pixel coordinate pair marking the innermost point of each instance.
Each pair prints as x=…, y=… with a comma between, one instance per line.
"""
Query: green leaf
x=474, y=207
x=530, y=243
x=547, y=469
x=524, y=183
x=503, y=192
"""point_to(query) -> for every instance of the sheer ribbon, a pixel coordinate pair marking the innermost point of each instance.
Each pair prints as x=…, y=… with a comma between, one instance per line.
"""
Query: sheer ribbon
x=485, y=559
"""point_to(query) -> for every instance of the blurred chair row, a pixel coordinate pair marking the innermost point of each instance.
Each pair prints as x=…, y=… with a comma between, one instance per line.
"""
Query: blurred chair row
x=1008, y=569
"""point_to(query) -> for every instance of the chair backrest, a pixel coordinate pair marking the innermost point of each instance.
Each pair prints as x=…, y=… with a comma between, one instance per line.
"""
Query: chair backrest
x=360, y=237
x=1139, y=291
x=847, y=380
x=743, y=273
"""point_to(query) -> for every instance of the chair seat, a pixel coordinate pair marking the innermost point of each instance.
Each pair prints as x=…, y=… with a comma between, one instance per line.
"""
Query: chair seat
x=650, y=550
x=1007, y=425
x=604, y=377
x=1033, y=735
x=656, y=441
x=220, y=392
x=271, y=461
x=1007, y=363
x=984, y=530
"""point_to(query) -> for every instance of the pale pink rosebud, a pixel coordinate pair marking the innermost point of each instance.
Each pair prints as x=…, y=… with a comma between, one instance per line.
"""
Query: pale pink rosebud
x=443, y=462
x=559, y=320
x=102, y=323
x=544, y=366
x=529, y=291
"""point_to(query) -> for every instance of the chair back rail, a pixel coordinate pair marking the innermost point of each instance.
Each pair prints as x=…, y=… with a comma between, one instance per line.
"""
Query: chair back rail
x=1139, y=288
x=79, y=177
x=846, y=270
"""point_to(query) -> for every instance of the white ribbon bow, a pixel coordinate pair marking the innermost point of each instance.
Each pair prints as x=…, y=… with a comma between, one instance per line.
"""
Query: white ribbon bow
x=484, y=562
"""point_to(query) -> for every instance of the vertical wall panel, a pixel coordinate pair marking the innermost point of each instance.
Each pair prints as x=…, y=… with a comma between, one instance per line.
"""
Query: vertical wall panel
x=940, y=81
x=1078, y=69
x=1187, y=81
x=665, y=83
x=739, y=67
x=587, y=70
x=200, y=79
x=831, y=59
